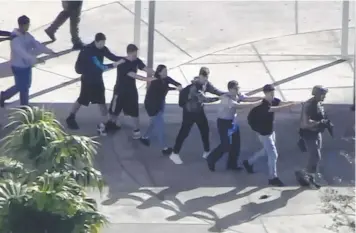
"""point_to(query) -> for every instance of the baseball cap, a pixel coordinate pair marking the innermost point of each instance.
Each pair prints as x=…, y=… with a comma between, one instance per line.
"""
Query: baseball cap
x=268, y=88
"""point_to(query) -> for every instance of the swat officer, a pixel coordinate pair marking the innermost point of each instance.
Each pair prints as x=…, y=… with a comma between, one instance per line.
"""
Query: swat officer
x=312, y=124
x=71, y=10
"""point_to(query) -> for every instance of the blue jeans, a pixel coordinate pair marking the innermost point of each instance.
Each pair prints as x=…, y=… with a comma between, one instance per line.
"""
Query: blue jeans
x=23, y=79
x=156, y=128
x=269, y=149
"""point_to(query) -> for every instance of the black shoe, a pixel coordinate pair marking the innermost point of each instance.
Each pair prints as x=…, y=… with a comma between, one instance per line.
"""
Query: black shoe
x=145, y=141
x=78, y=46
x=275, y=182
x=72, y=123
x=302, y=179
x=313, y=183
x=211, y=166
x=50, y=34
x=248, y=167
x=2, y=100
x=167, y=151
x=111, y=126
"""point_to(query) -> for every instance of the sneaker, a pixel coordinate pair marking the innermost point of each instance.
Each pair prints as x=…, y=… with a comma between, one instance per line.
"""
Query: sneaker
x=248, y=166
x=111, y=126
x=2, y=100
x=313, y=183
x=302, y=179
x=206, y=154
x=101, y=128
x=72, y=123
x=136, y=134
x=145, y=141
x=175, y=158
x=78, y=46
x=275, y=182
x=50, y=34
x=167, y=151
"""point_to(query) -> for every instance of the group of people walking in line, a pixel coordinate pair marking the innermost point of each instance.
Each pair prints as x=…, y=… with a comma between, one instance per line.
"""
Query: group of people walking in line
x=192, y=98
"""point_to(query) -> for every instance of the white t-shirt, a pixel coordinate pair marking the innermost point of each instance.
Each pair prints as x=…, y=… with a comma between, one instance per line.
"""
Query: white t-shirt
x=228, y=106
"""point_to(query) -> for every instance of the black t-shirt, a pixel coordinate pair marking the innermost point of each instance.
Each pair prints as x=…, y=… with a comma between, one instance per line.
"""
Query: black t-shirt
x=125, y=82
x=156, y=94
x=266, y=118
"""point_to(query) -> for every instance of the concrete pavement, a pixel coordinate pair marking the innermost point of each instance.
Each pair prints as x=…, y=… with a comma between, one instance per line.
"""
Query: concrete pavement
x=253, y=42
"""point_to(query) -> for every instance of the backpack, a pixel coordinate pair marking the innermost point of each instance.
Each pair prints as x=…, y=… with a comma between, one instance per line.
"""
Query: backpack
x=252, y=118
x=183, y=96
x=80, y=63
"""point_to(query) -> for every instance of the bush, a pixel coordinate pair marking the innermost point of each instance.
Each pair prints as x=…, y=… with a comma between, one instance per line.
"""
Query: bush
x=43, y=175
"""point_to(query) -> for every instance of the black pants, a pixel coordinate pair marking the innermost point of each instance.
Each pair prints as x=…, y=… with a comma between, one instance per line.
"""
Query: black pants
x=188, y=120
x=71, y=10
x=225, y=146
x=313, y=143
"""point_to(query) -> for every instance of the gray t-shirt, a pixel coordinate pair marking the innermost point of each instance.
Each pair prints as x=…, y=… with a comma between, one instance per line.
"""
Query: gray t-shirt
x=228, y=106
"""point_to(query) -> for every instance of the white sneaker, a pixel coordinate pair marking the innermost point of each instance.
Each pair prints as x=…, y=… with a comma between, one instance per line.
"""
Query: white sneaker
x=206, y=154
x=136, y=134
x=101, y=129
x=175, y=158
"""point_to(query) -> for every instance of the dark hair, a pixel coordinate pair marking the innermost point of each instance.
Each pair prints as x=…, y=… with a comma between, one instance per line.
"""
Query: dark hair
x=131, y=48
x=268, y=88
x=99, y=37
x=232, y=84
x=159, y=70
x=204, y=71
x=23, y=20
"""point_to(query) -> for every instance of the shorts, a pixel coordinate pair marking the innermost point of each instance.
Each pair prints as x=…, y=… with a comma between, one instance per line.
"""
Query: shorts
x=126, y=102
x=91, y=92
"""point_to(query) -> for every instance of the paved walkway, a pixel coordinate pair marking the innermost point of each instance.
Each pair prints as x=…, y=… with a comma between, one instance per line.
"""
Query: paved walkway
x=253, y=42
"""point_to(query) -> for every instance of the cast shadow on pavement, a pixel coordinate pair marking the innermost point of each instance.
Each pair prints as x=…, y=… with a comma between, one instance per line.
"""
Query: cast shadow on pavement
x=5, y=67
x=130, y=168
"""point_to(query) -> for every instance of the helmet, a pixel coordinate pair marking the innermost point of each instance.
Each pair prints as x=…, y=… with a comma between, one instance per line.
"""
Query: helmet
x=319, y=90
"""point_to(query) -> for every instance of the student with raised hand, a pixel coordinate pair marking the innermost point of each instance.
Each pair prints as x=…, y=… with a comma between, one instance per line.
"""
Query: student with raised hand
x=155, y=101
x=24, y=48
x=228, y=128
x=92, y=89
x=261, y=120
x=192, y=99
x=125, y=97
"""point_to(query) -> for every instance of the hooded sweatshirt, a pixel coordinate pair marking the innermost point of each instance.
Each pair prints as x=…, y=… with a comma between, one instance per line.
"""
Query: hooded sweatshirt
x=197, y=98
x=25, y=48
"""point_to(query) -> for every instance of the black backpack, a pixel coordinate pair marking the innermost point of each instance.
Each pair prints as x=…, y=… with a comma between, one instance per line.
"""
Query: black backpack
x=183, y=96
x=252, y=118
x=80, y=63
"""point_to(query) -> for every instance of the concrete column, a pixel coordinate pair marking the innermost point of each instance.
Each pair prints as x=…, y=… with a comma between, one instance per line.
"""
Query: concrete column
x=137, y=24
x=354, y=56
x=151, y=31
x=345, y=29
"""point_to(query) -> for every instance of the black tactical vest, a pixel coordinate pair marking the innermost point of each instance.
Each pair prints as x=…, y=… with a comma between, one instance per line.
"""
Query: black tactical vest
x=316, y=110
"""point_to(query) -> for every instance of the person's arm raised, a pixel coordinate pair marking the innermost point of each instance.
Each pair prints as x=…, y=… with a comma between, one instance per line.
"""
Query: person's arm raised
x=139, y=77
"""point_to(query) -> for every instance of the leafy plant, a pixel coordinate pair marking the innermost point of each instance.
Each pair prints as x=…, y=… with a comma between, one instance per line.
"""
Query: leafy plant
x=55, y=201
x=40, y=143
x=43, y=175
